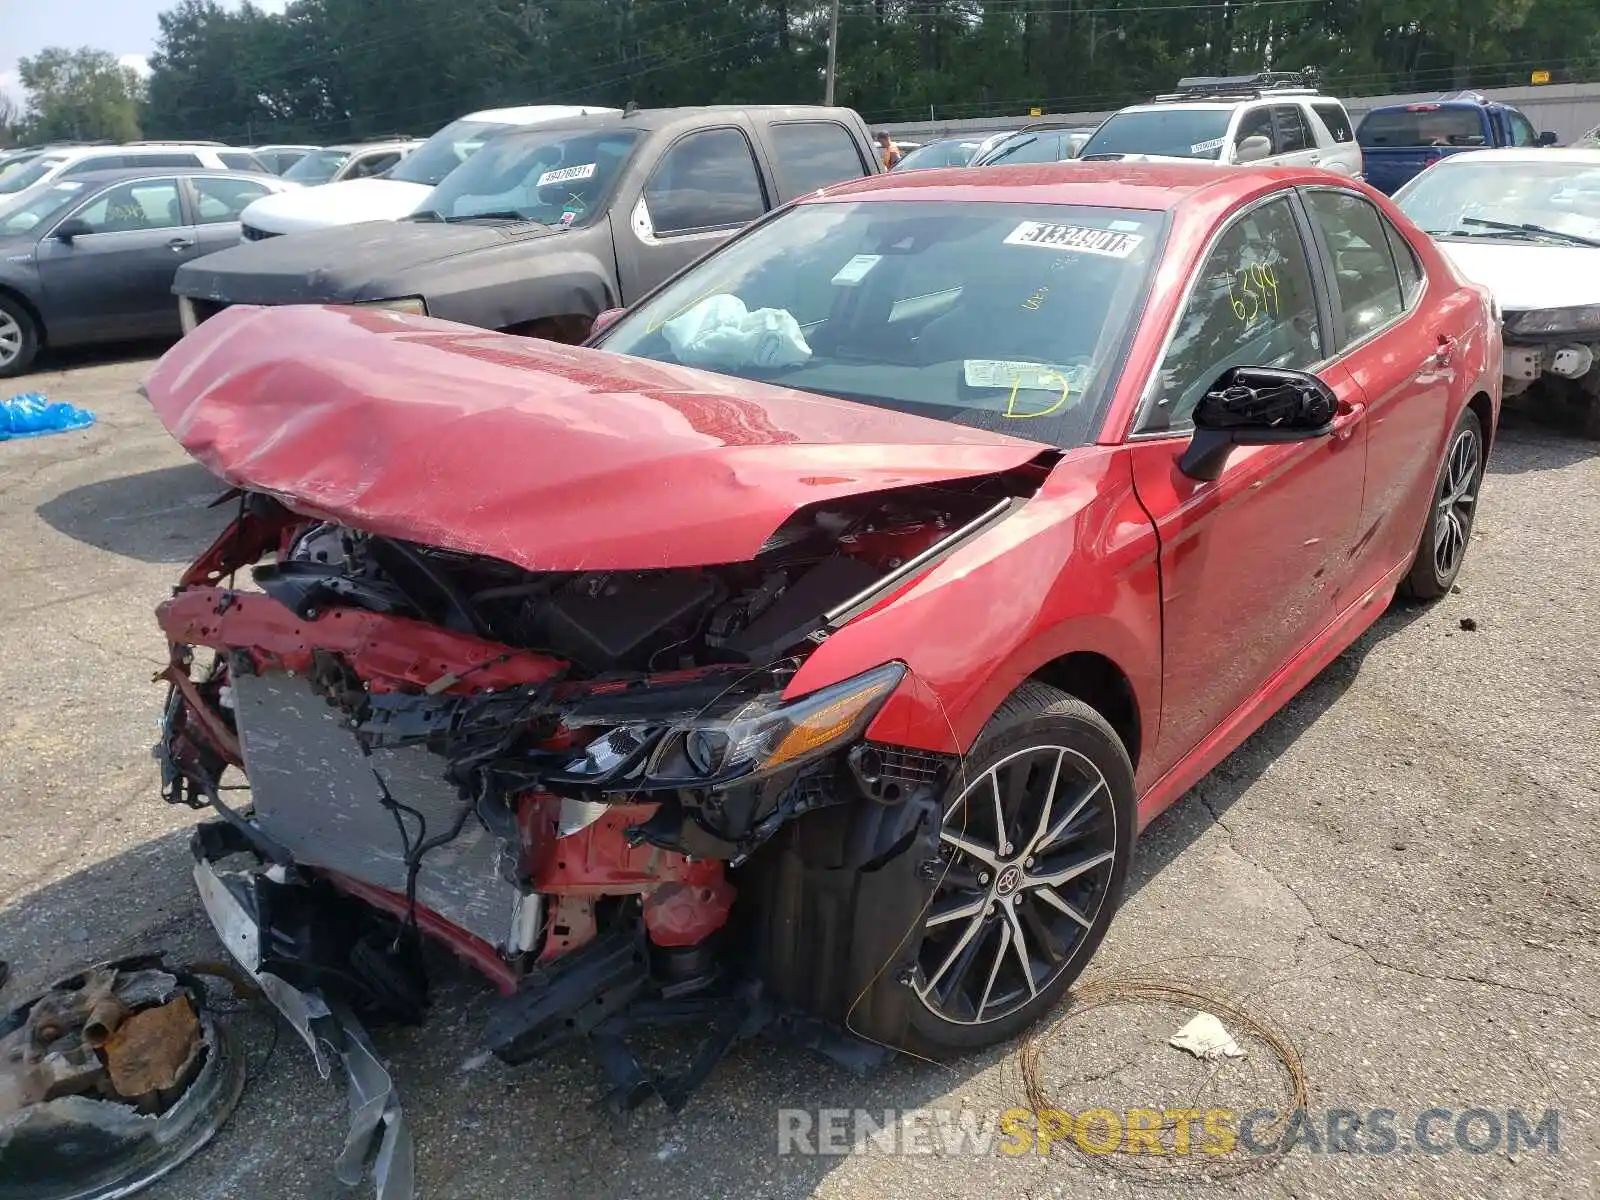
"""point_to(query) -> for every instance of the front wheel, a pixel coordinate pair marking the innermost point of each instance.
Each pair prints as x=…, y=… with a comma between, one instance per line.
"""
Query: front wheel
x=1448, y=530
x=19, y=338
x=1035, y=843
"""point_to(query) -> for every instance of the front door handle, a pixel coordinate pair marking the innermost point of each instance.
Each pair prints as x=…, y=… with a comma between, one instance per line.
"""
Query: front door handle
x=180, y=243
x=1349, y=416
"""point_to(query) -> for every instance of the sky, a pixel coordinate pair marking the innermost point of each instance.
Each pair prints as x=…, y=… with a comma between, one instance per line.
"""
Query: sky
x=127, y=28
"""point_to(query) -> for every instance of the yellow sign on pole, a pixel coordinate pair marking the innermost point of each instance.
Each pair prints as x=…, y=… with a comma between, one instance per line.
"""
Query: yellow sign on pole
x=1541, y=77
x=1039, y=112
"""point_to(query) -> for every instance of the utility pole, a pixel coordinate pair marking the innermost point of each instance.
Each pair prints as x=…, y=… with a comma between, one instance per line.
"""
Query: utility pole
x=833, y=52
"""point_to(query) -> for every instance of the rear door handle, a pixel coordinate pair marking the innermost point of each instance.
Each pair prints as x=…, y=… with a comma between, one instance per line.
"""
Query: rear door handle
x=180, y=243
x=1441, y=357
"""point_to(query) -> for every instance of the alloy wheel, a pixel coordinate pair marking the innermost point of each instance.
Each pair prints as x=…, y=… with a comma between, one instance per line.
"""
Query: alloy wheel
x=1029, y=849
x=1457, y=495
x=10, y=338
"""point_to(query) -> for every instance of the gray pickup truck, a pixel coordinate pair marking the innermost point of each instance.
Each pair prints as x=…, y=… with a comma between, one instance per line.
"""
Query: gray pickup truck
x=545, y=228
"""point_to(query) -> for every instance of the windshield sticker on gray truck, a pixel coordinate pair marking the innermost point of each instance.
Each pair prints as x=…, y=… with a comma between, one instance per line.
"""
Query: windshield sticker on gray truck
x=567, y=174
x=1207, y=147
x=1074, y=237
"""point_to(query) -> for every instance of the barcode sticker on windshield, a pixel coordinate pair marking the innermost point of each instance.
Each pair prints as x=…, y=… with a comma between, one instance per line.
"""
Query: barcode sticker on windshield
x=1074, y=237
x=1024, y=376
x=567, y=175
x=854, y=271
x=1205, y=147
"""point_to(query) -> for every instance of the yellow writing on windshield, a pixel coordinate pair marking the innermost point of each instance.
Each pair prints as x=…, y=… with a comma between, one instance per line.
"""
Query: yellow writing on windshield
x=1045, y=376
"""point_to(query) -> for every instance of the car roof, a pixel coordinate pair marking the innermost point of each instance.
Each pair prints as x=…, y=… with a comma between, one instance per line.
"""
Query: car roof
x=374, y=144
x=1160, y=187
x=73, y=153
x=117, y=174
x=1569, y=154
x=652, y=120
x=527, y=114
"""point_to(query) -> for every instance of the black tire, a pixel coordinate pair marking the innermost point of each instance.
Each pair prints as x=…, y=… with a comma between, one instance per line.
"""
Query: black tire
x=16, y=351
x=1033, y=718
x=1447, y=532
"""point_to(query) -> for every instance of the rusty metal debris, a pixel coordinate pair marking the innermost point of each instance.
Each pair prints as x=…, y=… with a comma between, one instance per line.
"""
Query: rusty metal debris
x=108, y=1080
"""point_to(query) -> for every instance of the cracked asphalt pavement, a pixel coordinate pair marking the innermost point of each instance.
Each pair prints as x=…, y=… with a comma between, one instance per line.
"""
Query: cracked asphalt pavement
x=1400, y=872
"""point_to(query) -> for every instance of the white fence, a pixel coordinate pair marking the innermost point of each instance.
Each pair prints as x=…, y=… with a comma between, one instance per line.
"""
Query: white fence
x=1570, y=109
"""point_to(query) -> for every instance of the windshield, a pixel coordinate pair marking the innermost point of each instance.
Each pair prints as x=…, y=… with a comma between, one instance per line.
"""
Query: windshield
x=1008, y=317
x=24, y=212
x=1033, y=146
x=10, y=166
x=1463, y=198
x=561, y=177
x=1172, y=133
x=954, y=153
x=318, y=167
x=29, y=175
x=446, y=150
x=1422, y=126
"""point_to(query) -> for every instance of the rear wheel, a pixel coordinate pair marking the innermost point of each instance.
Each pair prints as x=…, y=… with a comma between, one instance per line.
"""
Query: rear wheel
x=19, y=338
x=1448, y=530
x=1036, y=839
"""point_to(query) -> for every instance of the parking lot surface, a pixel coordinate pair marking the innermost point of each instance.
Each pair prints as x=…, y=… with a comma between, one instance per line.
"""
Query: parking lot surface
x=1400, y=872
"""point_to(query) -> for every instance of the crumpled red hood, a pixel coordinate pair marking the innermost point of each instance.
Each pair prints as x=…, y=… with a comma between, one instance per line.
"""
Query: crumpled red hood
x=551, y=457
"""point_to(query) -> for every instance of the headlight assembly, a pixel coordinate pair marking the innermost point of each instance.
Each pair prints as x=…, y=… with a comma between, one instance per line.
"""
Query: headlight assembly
x=1549, y=321
x=761, y=737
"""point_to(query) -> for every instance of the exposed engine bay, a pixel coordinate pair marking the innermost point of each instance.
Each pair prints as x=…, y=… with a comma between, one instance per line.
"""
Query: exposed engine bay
x=568, y=779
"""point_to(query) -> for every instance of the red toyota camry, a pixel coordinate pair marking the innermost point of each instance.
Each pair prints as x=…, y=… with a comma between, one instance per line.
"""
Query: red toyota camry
x=809, y=649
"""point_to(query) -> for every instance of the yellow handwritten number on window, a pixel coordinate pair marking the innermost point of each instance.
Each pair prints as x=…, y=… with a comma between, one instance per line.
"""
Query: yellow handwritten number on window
x=1016, y=385
x=1257, y=284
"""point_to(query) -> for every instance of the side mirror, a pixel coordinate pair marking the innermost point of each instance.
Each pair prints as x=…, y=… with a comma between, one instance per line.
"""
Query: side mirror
x=1253, y=149
x=72, y=227
x=1256, y=406
x=605, y=320
x=1548, y=138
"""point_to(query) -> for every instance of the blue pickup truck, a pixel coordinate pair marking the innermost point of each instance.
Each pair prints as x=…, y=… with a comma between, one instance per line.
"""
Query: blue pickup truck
x=1399, y=141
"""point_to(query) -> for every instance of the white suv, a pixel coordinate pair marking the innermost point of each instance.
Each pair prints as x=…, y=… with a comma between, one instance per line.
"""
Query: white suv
x=1274, y=118
x=68, y=161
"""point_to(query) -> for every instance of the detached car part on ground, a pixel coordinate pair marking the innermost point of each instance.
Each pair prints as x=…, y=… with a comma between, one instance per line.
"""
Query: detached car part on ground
x=109, y=1080
x=1525, y=223
x=545, y=228
x=806, y=657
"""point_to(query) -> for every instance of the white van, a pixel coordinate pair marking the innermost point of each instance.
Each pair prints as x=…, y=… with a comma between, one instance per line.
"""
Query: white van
x=402, y=190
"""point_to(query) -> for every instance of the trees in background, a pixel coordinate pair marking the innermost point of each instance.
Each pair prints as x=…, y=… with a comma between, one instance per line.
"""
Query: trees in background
x=329, y=69
x=81, y=95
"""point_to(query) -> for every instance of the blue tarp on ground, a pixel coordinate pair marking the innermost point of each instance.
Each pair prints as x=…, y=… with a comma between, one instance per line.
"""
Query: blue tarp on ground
x=29, y=414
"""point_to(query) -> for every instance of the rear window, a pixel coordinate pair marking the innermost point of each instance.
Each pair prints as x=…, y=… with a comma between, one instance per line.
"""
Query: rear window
x=238, y=160
x=1422, y=127
x=813, y=154
x=1336, y=119
x=141, y=158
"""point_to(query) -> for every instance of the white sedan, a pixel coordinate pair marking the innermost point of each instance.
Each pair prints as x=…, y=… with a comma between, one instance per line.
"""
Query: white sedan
x=1526, y=223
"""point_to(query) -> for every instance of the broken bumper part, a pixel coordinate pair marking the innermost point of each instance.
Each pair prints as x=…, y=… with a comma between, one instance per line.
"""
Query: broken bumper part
x=376, y=1121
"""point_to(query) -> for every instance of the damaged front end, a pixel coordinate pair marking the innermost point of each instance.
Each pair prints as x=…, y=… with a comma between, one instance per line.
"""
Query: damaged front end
x=586, y=784
x=1553, y=356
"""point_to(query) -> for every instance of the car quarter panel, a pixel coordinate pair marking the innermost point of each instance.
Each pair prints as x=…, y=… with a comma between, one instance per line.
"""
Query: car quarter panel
x=1073, y=570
